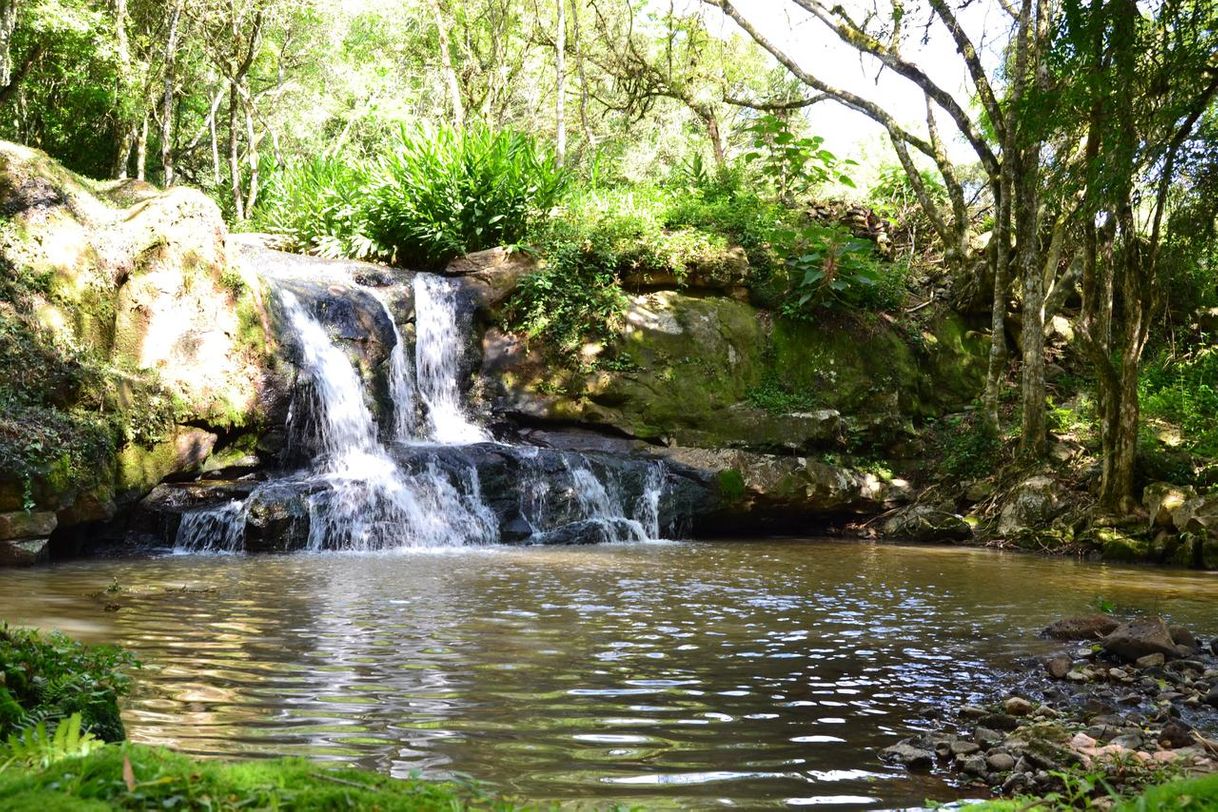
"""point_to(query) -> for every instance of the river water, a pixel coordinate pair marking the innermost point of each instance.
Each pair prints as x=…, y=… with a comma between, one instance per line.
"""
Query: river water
x=738, y=674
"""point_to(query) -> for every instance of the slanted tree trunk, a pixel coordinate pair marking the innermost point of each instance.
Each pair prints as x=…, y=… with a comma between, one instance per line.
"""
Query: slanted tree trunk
x=234, y=147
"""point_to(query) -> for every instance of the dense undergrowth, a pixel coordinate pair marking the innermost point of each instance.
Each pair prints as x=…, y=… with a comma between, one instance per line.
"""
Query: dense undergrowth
x=49, y=678
x=433, y=196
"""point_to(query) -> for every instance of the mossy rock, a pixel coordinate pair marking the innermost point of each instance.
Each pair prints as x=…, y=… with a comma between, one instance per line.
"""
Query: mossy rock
x=1118, y=547
x=716, y=372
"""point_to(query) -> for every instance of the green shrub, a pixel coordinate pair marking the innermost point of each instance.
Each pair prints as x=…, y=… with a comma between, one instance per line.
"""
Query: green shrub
x=50, y=677
x=438, y=195
x=320, y=205
x=1183, y=390
x=970, y=447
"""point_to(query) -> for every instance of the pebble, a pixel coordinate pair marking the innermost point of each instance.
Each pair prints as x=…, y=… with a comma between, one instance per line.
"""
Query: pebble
x=1150, y=660
x=1211, y=698
x=1118, y=674
x=986, y=737
x=1074, y=675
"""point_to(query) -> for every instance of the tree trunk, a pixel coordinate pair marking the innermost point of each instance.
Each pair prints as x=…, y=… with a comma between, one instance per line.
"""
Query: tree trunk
x=1000, y=260
x=716, y=137
x=8, y=24
x=450, y=71
x=234, y=150
x=141, y=151
x=171, y=55
x=126, y=127
x=560, y=63
x=251, y=158
x=1034, y=428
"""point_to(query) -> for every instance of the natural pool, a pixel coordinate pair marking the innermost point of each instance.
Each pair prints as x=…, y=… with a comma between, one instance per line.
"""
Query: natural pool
x=744, y=674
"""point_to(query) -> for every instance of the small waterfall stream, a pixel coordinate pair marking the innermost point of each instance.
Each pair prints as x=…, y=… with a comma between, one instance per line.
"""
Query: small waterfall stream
x=424, y=489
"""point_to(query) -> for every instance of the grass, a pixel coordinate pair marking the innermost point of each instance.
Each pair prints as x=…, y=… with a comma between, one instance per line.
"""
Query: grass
x=1198, y=794
x=130, y=776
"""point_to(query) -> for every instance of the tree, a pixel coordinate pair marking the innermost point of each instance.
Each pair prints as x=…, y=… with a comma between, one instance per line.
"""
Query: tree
x=1137, y=85
x=1010, y=158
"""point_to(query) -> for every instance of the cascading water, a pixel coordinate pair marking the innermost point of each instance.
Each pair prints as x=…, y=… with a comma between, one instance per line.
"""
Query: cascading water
x=437, y=345
x=424, y=489
x=211, y=530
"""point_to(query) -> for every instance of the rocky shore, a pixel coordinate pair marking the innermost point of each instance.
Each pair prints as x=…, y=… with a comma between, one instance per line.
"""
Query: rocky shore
x=1123, y=703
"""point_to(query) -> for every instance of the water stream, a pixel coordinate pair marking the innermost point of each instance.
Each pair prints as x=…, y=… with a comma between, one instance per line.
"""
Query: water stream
x=744, y=674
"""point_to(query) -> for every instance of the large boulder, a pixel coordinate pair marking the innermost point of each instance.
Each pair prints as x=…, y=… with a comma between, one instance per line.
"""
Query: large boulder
x=1163, y=500
x=1030, y=506
x=492, y=274
x=926, y=523
x=128, y=322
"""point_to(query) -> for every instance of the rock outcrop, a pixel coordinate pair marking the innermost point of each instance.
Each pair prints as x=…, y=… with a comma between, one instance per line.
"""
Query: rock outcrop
x=133, y=344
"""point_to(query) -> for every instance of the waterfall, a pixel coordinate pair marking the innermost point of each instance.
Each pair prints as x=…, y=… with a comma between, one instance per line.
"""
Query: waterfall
x=437, y=357
x=211, y=530
x=422, y=489
x=401, y=387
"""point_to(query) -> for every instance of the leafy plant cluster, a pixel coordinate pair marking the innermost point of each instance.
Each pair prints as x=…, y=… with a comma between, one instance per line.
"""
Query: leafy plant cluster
x=971, y=448
x=1183, y=390
x=48, y=678
x=432, y=196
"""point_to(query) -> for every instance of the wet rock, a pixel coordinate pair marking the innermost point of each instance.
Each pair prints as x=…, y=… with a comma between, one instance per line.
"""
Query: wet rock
x=1138, y=638
x=23, y=525
x=1001, y=762
x=1183, y=637
x=987, y=738
x=925, y=523
x=23, y=552
x=1150, y=660
x=492, y=274
x=1176, y=733
x=1058, y=666
x=974, y=765
x=1084, y=627
x=960, y=747
x=1211, y=698
x=1017, y=706
x=908, y=755
x=1000, y=721
x=972, y=711
x=1130, y=741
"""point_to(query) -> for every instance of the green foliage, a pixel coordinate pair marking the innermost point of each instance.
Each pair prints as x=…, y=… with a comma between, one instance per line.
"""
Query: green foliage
x=793, y=165
x=440, y=194
x=128, y=776
x=576, y=298
x=51, y=677
x=35, y=747
x=1183, y=391
x=430, y=197
x=970, y=447
x=320, y=205
x=778, y=397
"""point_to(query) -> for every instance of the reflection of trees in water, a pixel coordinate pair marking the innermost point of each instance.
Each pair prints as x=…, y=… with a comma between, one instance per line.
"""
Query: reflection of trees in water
x=633, y=672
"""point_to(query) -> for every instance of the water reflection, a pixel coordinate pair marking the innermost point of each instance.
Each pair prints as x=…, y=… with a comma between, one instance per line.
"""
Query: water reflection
x=752, y=674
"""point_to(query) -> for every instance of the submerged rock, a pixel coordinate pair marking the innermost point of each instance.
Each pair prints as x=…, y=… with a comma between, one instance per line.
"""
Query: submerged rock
x=1083, y=627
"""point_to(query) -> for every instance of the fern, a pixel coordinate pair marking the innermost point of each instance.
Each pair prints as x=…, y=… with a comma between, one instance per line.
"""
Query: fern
x=35, y=747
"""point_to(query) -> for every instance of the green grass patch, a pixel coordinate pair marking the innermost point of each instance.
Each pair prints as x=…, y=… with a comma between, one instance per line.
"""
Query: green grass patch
x=129, y=776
